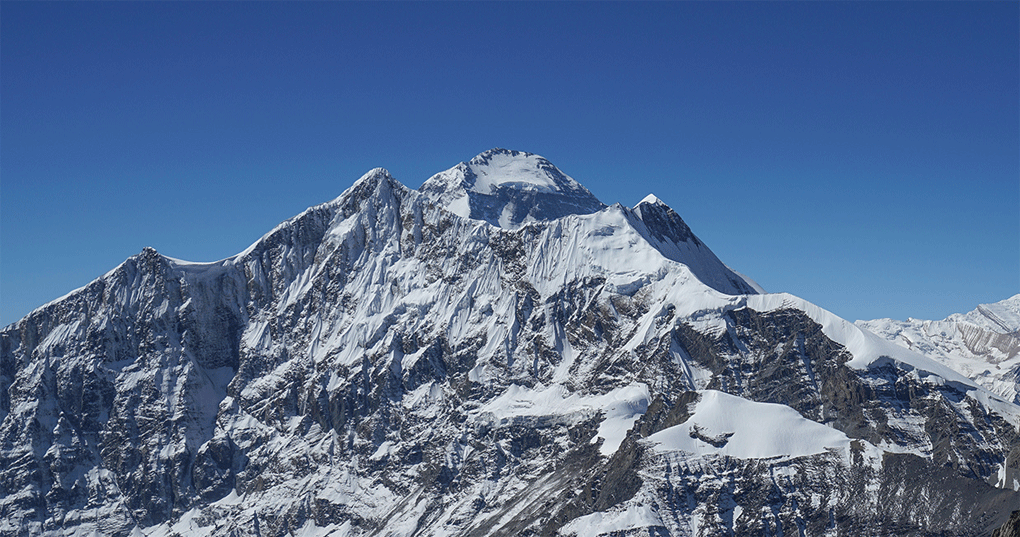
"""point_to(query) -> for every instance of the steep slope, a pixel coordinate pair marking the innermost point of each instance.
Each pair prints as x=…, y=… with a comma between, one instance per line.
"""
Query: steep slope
x=380, y=365
x=509, y=189
x=670, y=236
x=983, y=344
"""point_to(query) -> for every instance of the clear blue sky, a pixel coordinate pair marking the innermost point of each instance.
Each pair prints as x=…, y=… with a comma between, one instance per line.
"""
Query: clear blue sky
x=861, y=155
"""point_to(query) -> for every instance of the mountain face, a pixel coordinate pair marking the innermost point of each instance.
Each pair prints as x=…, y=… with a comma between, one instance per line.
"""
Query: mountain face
x=983, y=344
x=498, y=353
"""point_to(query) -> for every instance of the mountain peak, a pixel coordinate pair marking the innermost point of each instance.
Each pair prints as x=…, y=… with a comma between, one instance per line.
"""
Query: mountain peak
x=373, y=181
x=509, y=188
x=372, y=176
x=1002, y=317
x=496, y=152
x=650, y=199
x=503, y=168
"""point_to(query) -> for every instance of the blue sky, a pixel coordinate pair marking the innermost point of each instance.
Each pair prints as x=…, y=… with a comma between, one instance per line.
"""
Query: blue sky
x=863, y=155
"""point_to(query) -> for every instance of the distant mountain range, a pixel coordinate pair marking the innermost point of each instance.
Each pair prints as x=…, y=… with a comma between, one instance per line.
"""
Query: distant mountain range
x=983, y=344
x=497, y=353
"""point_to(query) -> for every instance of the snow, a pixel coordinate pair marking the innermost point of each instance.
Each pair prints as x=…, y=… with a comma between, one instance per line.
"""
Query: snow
x=650, y=199
x=522, y=172
x=460, y=206
x=608, y=244
x=59, y=335
x=982, y=345
x=493, y=186
x=868, y=349
x=602, y=523
x=754, y=285
x=747, y=430
x=1002, y=317
x=620, y=407
x=382, y=452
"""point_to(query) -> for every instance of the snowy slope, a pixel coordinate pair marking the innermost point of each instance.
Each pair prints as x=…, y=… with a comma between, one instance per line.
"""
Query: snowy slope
x=723, y=425
x=509, y=189
x=983, y=345
x=393, y=362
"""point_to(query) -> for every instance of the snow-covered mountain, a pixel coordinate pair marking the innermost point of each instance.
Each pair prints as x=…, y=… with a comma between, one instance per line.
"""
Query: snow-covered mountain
x=983, y=344
x=498, y=353
x=509, y=188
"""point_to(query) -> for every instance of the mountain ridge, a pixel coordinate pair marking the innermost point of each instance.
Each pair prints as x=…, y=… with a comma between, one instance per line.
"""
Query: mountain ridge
x=670, y=223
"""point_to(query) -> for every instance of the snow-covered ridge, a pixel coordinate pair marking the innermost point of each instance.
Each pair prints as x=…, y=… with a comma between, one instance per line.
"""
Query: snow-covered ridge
x=1002, y=317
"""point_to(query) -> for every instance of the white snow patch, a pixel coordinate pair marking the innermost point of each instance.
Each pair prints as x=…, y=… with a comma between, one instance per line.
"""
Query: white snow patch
x=728, y=425
x=382, y=452
x=650, y=199
x=522, y=172
x=621, y=408
x=460, y=206
x=601, y=523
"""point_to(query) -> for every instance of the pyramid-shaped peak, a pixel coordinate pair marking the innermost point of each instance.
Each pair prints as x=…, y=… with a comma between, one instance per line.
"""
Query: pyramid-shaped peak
x=373, y=176
x=509, y=188
x=650, y=199
x=372, y=181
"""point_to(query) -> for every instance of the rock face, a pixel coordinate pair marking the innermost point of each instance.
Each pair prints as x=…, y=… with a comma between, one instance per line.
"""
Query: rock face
x=1011, y=528
x=393, y=363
